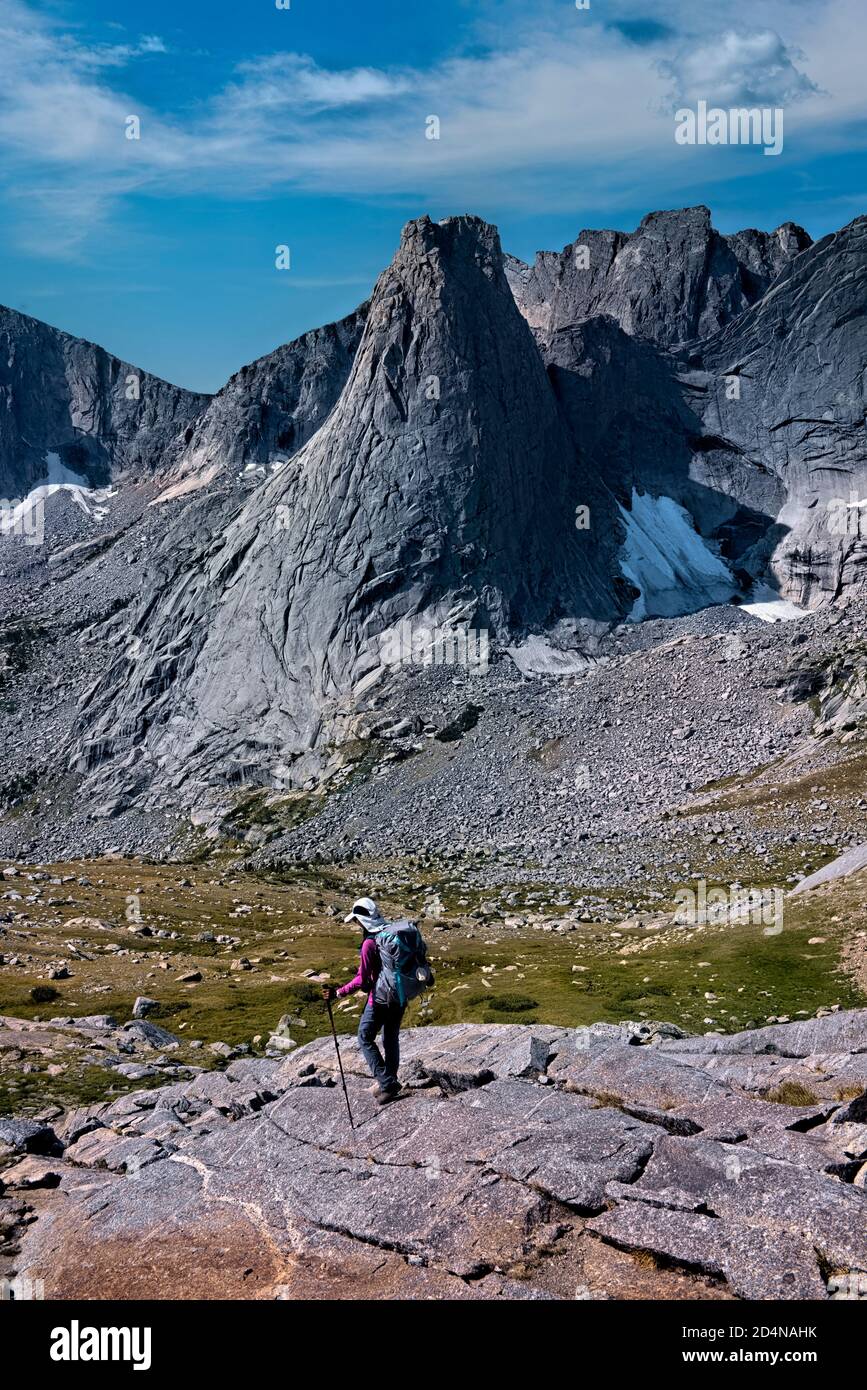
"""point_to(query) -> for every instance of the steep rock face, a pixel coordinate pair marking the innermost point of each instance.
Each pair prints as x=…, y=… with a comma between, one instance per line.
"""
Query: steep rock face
x=636, y=429
x=269, y=409
x=442, y=487
x=757, y=431
x=424, y=459
x=762, y=255
x=67, y=403
x=673, y=280
x=101, y=418
x=798, y=361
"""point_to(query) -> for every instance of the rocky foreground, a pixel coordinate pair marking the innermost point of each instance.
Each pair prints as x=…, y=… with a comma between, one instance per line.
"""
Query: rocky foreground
x=616, y=1161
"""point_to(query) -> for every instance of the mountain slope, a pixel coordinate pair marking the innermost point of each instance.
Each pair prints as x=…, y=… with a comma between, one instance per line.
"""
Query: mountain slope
x=674, y=279
x=100, y=418
x=799, y=356
x=441, y=488
x=270, y=408
x=431, y=460
x=758, y=430
x=637, y=430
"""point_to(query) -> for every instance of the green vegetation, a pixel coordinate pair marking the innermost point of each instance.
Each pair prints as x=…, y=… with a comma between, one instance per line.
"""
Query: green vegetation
x=720, y=977
x=35, y=1090
x=43, y=994
x=511, y=1003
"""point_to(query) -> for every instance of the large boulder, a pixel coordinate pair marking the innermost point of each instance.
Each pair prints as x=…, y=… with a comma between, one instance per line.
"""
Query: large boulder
x=27, y=1136
x=841, y=1032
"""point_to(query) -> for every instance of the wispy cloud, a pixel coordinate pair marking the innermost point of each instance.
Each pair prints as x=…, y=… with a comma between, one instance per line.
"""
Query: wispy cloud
x=115, y=55
x=293, y=81
x=553, y=104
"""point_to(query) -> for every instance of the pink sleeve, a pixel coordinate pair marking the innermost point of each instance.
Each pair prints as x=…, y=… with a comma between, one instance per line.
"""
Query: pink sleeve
x=367, y=970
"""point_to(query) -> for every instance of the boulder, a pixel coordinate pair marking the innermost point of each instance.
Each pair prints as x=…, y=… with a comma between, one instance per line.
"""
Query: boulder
x=150, y=1034
x=27, y=1136
x=741, y=1257
x=638, y=1076
x=841, y=1032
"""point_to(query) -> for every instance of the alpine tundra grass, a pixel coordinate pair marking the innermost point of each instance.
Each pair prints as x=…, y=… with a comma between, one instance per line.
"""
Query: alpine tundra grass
x=133, y=929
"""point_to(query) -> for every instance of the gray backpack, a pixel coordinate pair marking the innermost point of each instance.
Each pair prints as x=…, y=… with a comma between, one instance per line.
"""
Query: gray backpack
x=404, y=971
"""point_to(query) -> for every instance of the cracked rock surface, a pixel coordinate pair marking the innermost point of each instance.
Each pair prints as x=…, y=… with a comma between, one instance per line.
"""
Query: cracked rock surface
x=519, y=1162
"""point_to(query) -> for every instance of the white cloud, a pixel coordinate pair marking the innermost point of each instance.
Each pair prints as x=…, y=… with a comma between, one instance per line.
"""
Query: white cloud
x=738, y=69
x=114, y=55
x=555, y=107
x=293, y=80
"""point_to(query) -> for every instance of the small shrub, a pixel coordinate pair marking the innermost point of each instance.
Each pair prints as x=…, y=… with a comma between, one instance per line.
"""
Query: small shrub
x=512, y=1003
x=305, y=994
x=167, y=1010
x=637, y=992
x=608, y=1099
x=43, y=994
x=793, y=1093
x=845, y=1093
x=491, y=1017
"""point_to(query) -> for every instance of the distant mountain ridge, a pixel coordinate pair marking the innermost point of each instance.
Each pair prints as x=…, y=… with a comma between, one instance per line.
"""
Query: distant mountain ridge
x=102, y=418
x=673, y=280
x=430, y=457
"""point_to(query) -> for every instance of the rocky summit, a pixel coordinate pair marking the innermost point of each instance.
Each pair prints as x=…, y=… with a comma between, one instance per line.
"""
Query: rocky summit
x=209, y=597
x=625, y=1160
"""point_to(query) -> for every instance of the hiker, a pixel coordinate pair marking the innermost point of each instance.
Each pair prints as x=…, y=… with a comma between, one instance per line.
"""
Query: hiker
x=402, y=962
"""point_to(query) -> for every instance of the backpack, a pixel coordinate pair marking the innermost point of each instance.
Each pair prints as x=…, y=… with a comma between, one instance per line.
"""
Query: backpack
x=404, y=971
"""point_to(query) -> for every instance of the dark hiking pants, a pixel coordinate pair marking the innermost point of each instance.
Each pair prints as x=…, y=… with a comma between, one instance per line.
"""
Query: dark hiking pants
x=386, y=1017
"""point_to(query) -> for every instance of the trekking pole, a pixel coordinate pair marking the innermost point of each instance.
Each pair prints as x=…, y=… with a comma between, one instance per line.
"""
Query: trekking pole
x=340, y=1065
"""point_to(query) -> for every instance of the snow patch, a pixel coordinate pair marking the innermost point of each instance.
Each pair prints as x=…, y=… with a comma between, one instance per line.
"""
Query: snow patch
x=58, y=475
x=536, y=657
x=665, y=558
x=765, y=603
x=24, y=517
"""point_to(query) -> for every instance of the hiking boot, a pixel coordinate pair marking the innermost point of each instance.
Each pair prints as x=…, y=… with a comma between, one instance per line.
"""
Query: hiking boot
x=388, y=1093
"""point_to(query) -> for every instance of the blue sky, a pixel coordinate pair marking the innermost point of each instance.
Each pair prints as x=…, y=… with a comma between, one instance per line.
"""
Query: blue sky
x=306, y=127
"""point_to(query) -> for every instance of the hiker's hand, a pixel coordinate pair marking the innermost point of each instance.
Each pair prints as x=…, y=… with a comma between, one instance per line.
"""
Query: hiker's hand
x=329, y=992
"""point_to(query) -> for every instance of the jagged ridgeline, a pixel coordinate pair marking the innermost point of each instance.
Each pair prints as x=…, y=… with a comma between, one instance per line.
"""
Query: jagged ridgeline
x=68, y=405
x=673, y=280
x=696, y=399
